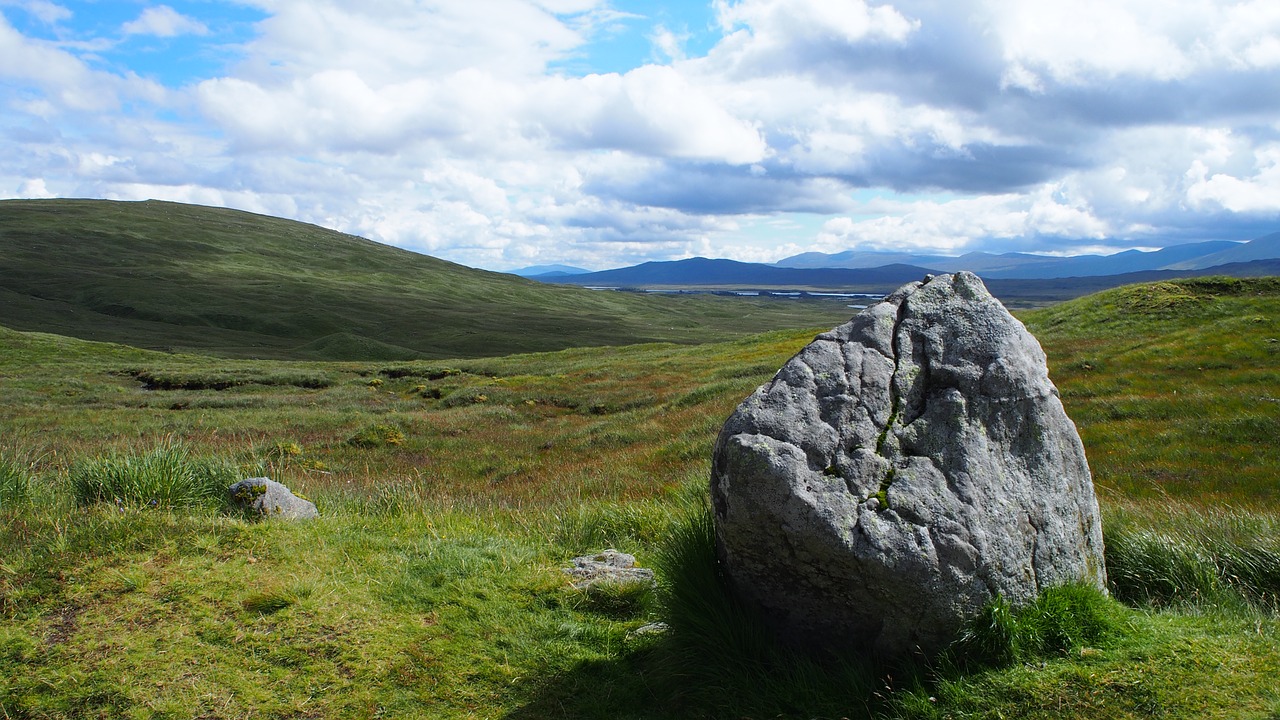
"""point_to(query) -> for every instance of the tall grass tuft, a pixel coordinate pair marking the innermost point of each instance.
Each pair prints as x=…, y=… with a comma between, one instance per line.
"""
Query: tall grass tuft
x=168, y=476
x=625, y=526
x=15, y=480
x=1059, y=620
x=1174, y=556
x=722, y=659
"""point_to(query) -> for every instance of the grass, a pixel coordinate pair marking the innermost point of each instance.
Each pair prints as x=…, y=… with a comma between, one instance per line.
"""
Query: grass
x=1174, y=387
x=1177, y=555
x=167, y=475
x=178, y=277
x=1063, y=619
x=431, y=587
x=721, y=658
x=15, y=480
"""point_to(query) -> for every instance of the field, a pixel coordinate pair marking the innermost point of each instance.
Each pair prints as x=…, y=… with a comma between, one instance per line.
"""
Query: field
x=453, y=491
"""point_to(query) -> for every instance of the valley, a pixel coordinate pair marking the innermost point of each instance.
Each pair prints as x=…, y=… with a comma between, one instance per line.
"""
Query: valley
x=455, y=481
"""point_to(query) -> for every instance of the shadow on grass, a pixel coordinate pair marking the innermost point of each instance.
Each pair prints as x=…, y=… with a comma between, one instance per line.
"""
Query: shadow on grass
x=717, y=659
x=654, y=682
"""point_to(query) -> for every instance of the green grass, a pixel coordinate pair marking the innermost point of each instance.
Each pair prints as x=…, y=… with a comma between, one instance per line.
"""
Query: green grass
x=15, y=480
x=1179, y=555
x=1061, y=620
x=167, y=475
x=431, y=586
x=1174, y=387
x=178, y=277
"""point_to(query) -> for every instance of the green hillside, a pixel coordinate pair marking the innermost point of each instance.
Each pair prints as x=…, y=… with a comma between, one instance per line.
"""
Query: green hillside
x=182, y=277
x=1175, y=386
x=453, y=491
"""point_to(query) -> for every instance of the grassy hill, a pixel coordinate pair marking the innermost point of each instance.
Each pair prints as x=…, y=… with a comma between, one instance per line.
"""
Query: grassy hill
x=182, y=277
x=452, y=491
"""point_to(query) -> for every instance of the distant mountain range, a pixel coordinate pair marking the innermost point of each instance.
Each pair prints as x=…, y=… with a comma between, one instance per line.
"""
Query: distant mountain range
x=536, y=271
x=874, y=271
x=1024, y=266
x=730, y=273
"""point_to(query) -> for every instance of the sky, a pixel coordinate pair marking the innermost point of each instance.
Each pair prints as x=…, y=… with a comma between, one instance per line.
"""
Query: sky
x=602, y=133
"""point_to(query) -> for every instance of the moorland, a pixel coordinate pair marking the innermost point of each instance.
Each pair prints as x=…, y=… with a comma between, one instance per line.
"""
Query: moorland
x=178, y=277
x=453, y=488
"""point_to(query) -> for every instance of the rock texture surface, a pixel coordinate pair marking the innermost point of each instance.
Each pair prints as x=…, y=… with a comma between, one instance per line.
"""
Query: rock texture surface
x=266, y=498
x=609, y=566
x=900, y=471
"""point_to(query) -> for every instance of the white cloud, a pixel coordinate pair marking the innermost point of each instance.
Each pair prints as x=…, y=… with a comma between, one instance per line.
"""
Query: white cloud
x=1086, y=41
x=1249, y=34
x=46, y=12
x=768, y=38
x=64, y=81
x=786, y=21
x=391, y=41
x=337, y=110
x=1075, y=42
x=34, y=189
x=164, y=21
x=652, y=110
x=1256, y=193
x=960, y=225
x=669, y=44
x=454, y=128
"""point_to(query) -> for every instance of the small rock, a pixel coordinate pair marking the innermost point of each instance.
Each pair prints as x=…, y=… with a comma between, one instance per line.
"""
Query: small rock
x=607, y=566
x=653, y=628
x=266, y=498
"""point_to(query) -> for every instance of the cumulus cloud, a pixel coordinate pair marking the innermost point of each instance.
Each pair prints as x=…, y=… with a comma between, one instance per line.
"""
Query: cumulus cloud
x=668, y=43
x=775, y=23
x=705, y=188
x=398, y=40
x=335, y=110
x=961, y=225
x=1097, y=39
x=164, y=21
x=1255, y=193
x=34, y=189
x=652, y=110
x=460, y=129
x=62, y=80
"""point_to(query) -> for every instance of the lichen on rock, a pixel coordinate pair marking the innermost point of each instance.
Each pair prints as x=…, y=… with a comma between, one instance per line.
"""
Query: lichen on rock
x=265, y=498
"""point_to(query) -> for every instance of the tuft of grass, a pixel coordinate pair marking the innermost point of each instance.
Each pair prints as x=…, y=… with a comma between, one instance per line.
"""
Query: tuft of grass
x=616, y=599
x=284, y=449
x=1182, y=556
x=15, y=480
x=1060, y=620
x=376, y=436
x=266, y=603
x=614, y=525
x=168, y=476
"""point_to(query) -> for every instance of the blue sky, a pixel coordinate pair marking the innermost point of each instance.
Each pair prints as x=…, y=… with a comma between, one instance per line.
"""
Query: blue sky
x=506, y=133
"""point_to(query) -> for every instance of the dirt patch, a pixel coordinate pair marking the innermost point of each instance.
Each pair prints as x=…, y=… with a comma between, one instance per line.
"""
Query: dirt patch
x=65, y=624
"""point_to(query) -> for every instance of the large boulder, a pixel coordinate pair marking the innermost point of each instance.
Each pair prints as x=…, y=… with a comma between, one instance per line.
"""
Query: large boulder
x=901, y=471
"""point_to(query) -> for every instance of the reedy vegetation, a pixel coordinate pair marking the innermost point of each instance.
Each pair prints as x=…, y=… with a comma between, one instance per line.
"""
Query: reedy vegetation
x=431, y=587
